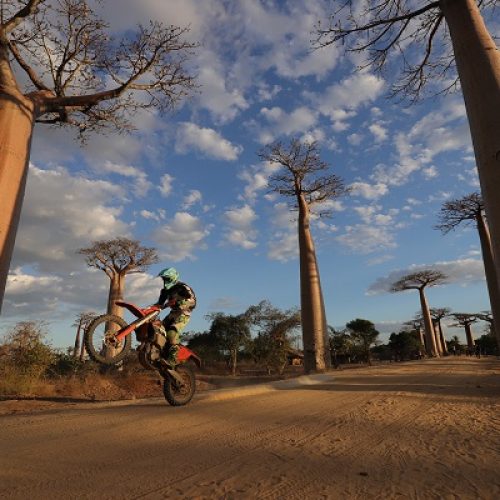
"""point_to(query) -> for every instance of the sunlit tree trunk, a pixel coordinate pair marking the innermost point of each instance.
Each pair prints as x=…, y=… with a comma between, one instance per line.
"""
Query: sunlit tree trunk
x=316, y=353
x=76, y=349
x=441, y=336
x=430, y=341
x=490, y=272
x=478, y=63
x=17, y=117
x=116, y=287
x=469, y=336
x=437, y=338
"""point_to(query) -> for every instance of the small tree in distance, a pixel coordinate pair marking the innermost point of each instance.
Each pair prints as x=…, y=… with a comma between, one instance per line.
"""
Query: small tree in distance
x=300, y=177
x=231, y=333
x=470, y=210
x=59, y=65
x=437, y=314
x=82, y=322
x=466, y=320
x=364, y=334
x=274, y=337
x=117, y=258
x=419, y=281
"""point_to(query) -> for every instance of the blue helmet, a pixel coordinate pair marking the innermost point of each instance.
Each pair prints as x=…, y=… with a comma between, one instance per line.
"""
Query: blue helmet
x=170, y=277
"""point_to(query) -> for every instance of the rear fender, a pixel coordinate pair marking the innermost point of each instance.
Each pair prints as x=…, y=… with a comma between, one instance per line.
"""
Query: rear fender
x=186, y=354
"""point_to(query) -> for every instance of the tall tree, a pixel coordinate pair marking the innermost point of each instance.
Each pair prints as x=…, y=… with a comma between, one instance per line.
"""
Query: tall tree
x=341, y=345
x=364, y=334
x=117, y=258
x=467, y=210
x=274, y=338
x=399, y=26
x=301, y=178
x=58, y=65
x=466, y=320
x=420, y=281
x=82, y=322
x=405, y=344
x=232, y=333
x=437, y=314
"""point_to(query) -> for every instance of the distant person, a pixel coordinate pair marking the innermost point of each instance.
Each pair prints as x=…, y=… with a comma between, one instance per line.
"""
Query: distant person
x=478, y=351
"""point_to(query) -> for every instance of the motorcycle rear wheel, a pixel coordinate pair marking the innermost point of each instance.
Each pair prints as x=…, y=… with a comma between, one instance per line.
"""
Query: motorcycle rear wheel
x=180, y=395
x=99, y=343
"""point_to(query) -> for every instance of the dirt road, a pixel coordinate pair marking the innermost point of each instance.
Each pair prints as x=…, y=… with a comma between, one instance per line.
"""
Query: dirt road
x=418, y=430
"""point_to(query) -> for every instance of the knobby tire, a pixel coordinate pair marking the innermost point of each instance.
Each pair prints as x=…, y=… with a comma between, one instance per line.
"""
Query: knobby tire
x=96, y=352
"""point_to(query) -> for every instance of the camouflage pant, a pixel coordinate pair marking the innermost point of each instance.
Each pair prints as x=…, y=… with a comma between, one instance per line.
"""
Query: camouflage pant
x=174, y=325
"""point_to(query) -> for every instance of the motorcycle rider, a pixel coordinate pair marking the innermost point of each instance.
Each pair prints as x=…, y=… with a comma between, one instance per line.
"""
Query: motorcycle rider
x=181, y=300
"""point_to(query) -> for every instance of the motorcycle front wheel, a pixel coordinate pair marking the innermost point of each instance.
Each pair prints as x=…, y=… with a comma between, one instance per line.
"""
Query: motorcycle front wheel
x=177, y=393
x=100, y=340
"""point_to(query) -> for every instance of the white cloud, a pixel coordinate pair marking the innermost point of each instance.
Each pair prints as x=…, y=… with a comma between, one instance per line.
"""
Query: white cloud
x=224, y=103
x=241, y=232
x=165, y=186
x=340, y=101
x=369, y=191
x=354, y=139
x=299, y=120
x=193, y=197
x=430, y=172
x=461, y=271
x=366, y=239
x=283, y=245
x=378, y=131
x=205, y=140
x=141, y=184
x=179, y=239
x=438, y=132
x=62, y=213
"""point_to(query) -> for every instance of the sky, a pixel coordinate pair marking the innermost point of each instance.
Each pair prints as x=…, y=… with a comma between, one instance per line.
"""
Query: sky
x=190, y=182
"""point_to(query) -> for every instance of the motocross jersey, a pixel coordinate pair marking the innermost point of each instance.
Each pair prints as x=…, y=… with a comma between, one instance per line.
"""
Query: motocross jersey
x=179, y=298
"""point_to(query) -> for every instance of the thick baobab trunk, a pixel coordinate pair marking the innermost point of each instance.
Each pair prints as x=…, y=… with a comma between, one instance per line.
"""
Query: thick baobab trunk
x=17, y=117
x=430, y=341
x=441, y=336
x=437, y=338
x=478, y=63
x=316, y=352
x=116, y=288
x=421, y=336
x=469, y=336
x=491, y=274
x=76, y=350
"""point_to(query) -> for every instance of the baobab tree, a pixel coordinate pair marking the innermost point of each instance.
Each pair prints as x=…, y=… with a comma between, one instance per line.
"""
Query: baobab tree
x=300, y=177
x=437, y=314
x=59, y=66
x=82, y=322
x=117, y=258
x=466, y=320
x=470, y=210
x=416, y=324
x=455, y=41
x=420, y=280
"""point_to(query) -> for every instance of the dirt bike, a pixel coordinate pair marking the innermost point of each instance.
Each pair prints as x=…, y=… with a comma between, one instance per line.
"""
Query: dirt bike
x=108, y=340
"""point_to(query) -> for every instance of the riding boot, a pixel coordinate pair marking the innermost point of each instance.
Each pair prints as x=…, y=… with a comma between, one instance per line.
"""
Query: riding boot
x=169, y=355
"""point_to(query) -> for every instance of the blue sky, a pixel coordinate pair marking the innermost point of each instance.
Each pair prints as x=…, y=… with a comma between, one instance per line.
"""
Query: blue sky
x=190, y=182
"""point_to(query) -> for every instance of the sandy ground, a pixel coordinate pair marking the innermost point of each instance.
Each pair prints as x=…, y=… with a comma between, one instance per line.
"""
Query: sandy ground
x=417, y=430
